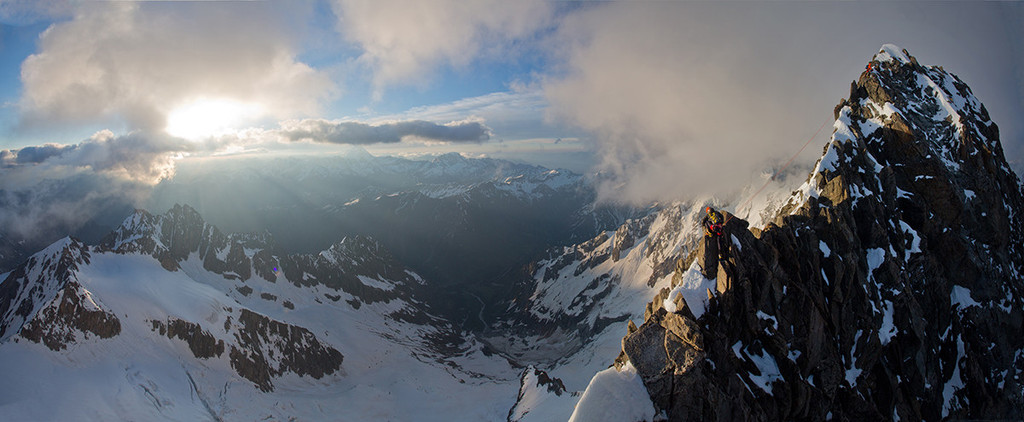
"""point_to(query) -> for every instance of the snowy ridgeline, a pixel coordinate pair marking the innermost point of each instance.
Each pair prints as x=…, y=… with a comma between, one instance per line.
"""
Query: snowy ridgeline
x=391, y=369
x=615, y=395
x=608, y=279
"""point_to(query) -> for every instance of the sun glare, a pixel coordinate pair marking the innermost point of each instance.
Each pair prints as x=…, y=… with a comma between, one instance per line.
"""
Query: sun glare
x=210, y=117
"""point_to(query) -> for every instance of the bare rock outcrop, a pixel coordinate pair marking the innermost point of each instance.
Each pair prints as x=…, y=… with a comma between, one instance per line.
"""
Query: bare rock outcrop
x=889, y=288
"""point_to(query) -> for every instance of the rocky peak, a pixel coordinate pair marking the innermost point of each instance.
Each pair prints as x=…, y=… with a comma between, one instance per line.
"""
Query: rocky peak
x=356, y=249
x=40, y=277
x=888, y=288
x=449, y=159
x=43, y=301
x=358, y=265
x=915, y=141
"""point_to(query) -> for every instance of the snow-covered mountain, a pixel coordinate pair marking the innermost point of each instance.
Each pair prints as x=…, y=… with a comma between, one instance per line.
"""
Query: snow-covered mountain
x=887, y=288
x=168, y=318
x=330, y=182
x=436, y=215
x=572, y=306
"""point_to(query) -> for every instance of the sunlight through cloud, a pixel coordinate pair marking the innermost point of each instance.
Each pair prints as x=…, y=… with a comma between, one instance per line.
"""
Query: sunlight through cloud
x=210, y=117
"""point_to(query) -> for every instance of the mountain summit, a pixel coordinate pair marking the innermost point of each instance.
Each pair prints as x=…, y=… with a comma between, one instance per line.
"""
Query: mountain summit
x=888, y=288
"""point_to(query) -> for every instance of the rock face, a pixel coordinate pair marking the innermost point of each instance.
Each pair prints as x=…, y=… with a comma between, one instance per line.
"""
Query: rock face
x=889, y=288
x=267, y=348
x=42, y=300
x=576, y=292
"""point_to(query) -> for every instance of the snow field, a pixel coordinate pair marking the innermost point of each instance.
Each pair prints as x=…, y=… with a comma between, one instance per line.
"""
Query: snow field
x=387, y=371
x=614, y=395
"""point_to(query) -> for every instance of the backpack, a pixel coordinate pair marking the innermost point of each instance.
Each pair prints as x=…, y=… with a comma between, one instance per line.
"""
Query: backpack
x=714, y=223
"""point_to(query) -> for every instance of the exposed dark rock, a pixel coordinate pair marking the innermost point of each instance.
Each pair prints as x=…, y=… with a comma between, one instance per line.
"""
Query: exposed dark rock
x=181, y=232
x=264, y=263
x=534, y=378
x=60, y=323
x=889, y=288
x=576, y=275
x=172, y=237
x=553, y=385
x=42, y=301
x=626, y=236
x=202, y=344
x=340, y=266
x=707, y=257
x=295, y=350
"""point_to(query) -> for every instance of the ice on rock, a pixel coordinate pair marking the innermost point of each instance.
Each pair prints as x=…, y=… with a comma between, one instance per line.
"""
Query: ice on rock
x=890, y=53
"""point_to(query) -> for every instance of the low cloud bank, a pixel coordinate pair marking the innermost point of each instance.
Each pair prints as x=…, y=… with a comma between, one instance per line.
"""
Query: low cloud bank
x=52, y=190
x=359, y=133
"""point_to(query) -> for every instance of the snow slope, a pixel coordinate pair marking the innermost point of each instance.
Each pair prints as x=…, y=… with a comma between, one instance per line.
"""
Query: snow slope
x=581, y=298
x=393, y=366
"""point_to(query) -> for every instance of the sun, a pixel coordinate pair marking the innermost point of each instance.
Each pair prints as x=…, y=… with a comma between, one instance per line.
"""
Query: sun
x=210, y=117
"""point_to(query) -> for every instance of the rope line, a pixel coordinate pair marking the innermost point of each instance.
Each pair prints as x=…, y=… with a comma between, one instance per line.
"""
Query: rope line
x=779, y=171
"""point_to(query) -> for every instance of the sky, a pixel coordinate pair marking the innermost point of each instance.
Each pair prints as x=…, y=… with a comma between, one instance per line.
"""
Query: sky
x=666, y=99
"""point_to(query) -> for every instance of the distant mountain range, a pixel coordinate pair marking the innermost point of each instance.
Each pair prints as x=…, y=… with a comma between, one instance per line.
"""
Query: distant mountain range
x=886, y=287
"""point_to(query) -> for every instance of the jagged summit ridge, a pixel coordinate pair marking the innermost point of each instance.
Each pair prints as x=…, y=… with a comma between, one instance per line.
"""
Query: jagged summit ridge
x=888, y=288
x=917, y=138
x=898, y=101
x=354, y=264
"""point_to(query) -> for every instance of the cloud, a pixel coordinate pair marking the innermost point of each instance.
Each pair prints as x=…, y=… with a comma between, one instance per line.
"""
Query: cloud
x=403, y=42
x=31, y=154
x=52, y=190
x=135, y=157
x=690, y=98
x=351, y=132
x=134, y=63
x=511, y=115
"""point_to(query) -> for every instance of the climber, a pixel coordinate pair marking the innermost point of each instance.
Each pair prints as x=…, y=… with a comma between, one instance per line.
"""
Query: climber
x=714, y=231
x=715, y=249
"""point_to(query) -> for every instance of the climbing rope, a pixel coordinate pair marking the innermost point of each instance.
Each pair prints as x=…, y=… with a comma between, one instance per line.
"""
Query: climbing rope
x=777, y=172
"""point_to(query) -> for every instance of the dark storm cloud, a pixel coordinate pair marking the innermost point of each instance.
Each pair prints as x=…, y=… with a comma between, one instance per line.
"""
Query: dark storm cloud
x=326, y=131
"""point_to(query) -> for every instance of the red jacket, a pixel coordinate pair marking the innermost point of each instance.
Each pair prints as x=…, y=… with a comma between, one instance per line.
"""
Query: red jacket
x=713, y=223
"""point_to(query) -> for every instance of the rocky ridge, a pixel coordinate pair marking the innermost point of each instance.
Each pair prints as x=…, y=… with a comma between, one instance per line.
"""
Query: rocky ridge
x=567, y=307
x=346, y=266
x=888, y=288
x=43, y=300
